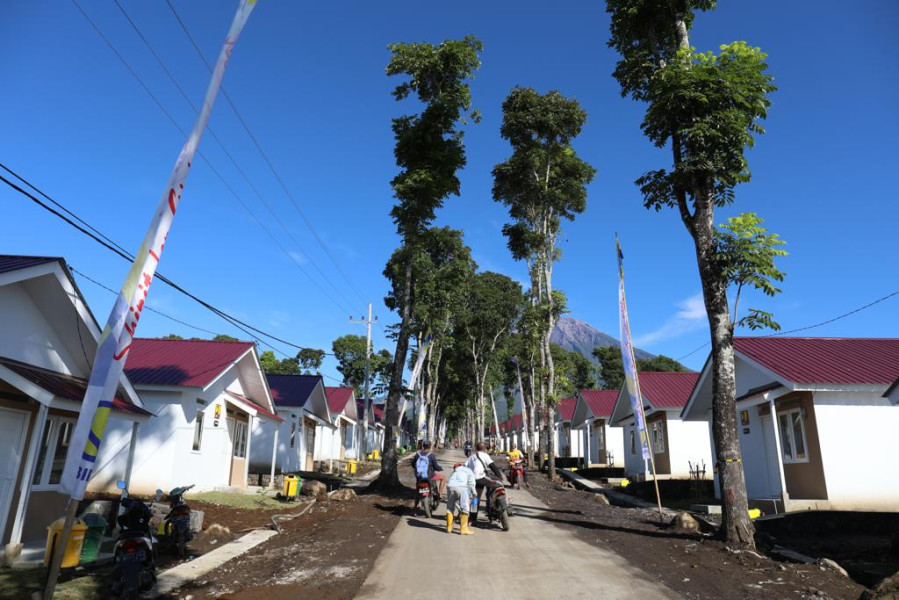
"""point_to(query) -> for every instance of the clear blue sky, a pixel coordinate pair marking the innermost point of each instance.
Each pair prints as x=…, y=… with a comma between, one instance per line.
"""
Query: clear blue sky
x=309, y=78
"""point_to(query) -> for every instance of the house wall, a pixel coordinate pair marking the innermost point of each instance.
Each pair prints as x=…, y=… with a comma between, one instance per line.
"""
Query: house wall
x=287, y=459
x=164, y=457
x=662, y=460
x=615, y=445
x=805, y=480
x=757, y=450
x=27, y=334
x=857, y=434
x=633, y=461
x=689, y=441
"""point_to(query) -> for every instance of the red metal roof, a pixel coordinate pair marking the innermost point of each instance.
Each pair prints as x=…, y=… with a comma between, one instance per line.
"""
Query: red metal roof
x=258, y=408
x=667, y=390
x=566, y=408
x=338, y=398
x=66, y=386
x=850, y=361
x=378, y=413
x=183, y=363
x=515, y=422
x=10, y=262
x=601, y=402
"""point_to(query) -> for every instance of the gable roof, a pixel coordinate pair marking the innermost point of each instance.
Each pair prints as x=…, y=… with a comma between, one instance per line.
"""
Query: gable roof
x=67, y=387
x=182, y=363
x=849, y=361
x=600, y=402
x=338, y=397
x=292, y=390
x=566, y=408
x=667, y=390
x=12, y=262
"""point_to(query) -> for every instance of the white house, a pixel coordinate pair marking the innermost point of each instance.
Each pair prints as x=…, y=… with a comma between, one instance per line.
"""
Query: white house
x=207, y=396
x=375, y=433
x=830, y=445
x=300, y=400
x=592, y=412
x=344, y=436
x=48, y=339
x=675, y=444
x=567, y=445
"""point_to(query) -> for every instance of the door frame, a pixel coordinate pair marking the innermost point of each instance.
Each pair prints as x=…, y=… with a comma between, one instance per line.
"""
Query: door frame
x=18, y=448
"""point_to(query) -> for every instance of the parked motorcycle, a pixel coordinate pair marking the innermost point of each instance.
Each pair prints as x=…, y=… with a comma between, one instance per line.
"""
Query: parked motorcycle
x=428, y=496
x=135, y=549
x=516, y=472
x=177, y=521
x=498, y=506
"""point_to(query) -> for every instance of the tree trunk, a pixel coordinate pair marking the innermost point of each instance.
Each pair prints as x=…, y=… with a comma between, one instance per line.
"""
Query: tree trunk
x=736, y=527
x=389, y=478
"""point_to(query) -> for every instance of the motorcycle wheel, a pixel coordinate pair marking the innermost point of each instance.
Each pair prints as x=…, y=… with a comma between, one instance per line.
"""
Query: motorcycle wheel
x=504, y=519
x=427, y=506
x=182, y=545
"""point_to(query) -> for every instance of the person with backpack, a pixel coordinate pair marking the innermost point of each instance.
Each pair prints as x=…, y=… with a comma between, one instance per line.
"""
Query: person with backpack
x=479, y=462
x=426, y=467
x=462, y=487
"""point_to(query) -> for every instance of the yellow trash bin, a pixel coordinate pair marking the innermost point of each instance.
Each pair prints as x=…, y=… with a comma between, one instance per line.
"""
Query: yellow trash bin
x=72, y=553
x=376, y=455
x=291, y=483
x=351, y=467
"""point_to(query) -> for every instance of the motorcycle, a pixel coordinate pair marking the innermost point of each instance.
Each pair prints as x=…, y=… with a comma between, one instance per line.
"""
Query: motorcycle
x=428, y=496
x=177, y=521
x=135, y=549
x=516, y=472
x=498, y=508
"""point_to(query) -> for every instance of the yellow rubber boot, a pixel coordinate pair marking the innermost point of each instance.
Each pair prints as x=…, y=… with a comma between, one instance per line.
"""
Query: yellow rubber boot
x=449, y=522
x=463, y=522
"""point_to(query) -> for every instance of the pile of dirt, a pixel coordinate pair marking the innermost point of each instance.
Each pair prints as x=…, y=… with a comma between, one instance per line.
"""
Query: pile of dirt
x=325, y=553
x=690, y=563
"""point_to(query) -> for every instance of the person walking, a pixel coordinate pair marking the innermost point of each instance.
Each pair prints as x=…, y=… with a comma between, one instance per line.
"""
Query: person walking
x=462, y=487
x=479, y=462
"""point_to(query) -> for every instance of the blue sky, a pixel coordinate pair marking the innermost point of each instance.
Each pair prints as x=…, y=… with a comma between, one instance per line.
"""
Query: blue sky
x=309, y=79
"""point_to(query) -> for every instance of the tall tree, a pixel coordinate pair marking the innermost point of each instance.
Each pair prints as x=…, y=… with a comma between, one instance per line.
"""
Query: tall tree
x=611, y=371
x=172, y=336
x=429, y=152
x=707, y=108
x=310, y=360
x=574, y=371
x=271, y=364
x=542, y=183
x=224, y=337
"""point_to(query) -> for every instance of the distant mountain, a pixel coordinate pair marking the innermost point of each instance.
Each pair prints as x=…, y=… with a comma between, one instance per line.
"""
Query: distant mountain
x=578, y=336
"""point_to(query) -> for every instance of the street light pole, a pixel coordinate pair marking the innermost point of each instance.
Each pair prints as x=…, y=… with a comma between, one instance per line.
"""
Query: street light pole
x=363, y=439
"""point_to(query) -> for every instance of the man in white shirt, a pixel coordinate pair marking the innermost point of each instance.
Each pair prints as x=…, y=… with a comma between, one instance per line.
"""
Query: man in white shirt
x=479, y=462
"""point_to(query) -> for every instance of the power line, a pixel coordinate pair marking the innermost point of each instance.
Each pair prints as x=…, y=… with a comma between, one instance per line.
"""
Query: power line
x=265, y=157
x=117, y=249
x=234, y=162
x=807, y=327
x=209, y=163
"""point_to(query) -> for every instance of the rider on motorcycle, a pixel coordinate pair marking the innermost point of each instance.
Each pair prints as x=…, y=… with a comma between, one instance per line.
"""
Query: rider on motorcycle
x=433, y=468
x=479, y=462
x=516, y=454
x=467, y=447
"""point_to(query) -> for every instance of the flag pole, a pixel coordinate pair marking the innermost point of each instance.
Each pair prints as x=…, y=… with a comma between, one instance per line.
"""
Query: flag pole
x=632, y=377
x=118, y=334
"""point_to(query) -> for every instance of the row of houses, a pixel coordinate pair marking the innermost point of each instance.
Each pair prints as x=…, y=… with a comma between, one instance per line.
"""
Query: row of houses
x=815, y=419
x=187, y=411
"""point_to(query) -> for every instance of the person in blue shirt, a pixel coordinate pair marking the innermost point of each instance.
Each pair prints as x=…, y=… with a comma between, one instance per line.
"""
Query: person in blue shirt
x=433, y=468
x=461, y=486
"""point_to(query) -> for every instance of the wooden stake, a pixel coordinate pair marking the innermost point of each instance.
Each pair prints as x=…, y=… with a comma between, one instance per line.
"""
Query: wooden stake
x=60, y=549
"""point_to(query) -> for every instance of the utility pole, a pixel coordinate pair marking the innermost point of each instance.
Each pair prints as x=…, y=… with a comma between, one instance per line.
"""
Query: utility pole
x=363, y=441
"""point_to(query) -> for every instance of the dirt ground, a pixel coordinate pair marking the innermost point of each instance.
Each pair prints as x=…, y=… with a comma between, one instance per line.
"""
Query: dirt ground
x=691, y=564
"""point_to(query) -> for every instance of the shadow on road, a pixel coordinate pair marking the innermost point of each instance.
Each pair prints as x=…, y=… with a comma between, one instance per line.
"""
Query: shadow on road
x=426, y=525
x=541, y=516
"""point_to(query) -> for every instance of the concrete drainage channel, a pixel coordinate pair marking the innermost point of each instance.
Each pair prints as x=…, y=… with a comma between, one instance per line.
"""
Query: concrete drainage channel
x=183, y=574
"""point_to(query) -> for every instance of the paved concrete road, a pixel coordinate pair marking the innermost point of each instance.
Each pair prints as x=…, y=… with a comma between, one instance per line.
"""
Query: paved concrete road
x=535, y=559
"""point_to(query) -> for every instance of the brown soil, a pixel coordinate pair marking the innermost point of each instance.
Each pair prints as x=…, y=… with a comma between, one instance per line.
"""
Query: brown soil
x=326, y=553
x=691, y=564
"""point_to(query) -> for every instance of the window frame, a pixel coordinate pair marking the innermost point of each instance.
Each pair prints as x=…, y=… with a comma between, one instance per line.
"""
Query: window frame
x=239, y=439
x=43, y=467
x=793, y=459
x=633, y=442
x=658, y=442
x=197, y=440
x=293, y=434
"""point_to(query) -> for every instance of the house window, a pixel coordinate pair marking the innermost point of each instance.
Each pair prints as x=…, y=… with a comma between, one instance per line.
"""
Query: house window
x=53, y=451
x=293, y=435
x=198, y=431
x=792, y=436
x=633, y=442
x=658, y=437
x=239, y=443
x=600, y=437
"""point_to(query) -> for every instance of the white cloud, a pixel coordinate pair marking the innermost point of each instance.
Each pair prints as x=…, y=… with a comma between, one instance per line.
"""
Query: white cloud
x=690, y=316
x=300, y=259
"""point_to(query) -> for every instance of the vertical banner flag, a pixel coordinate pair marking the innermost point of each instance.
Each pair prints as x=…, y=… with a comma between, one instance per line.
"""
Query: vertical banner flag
x=631, y=380
x=416, y=371
x=115, y=341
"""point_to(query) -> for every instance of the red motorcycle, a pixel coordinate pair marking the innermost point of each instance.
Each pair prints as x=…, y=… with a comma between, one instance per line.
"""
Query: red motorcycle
x=428, y=496
x=516, y=472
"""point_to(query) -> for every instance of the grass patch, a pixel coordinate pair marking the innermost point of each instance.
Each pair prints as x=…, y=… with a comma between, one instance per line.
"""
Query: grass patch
x=20, y=583
x=244, y=501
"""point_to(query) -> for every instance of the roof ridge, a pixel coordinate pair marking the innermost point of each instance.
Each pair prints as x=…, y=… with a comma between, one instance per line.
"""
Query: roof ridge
x=846, y=339
x=159, y=339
